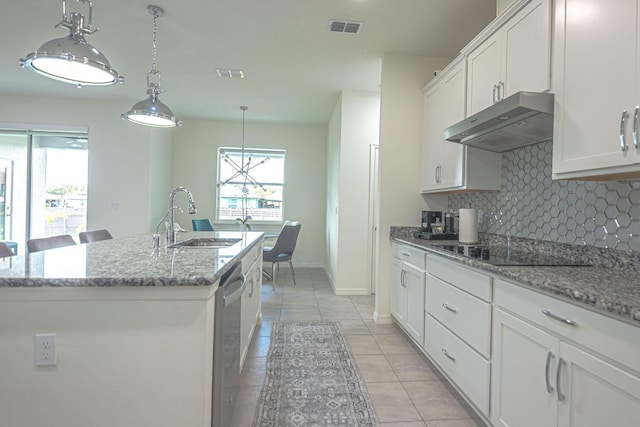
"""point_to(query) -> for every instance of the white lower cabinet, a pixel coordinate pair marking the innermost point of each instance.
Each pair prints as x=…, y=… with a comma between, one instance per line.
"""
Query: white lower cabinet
x=251, y=301
x=458, y=327
x=464, y=366
x=407, y=295
x=543, y=378
x=521, y=358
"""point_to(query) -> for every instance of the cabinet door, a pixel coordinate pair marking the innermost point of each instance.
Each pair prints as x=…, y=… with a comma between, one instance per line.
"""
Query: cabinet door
x=453, y=107
x=444, y=105
x=595, y=73
x=596, y=393
x=484, y=74
x=398, y=292
x=414, y=282
x=527, y=50
x=522, y=381
x=431, y=138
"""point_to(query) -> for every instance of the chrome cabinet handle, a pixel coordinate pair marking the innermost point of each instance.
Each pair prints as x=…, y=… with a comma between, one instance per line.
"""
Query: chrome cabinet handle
x=500, y=93
x=406, y=253
x=446, y=353
x=448, y=307
x=436, y=174
x=561, y=363
x=550, y=388
x=558, y=318
x=402, y=278
x=495, y=88
x=635, y=127
x=623, y=122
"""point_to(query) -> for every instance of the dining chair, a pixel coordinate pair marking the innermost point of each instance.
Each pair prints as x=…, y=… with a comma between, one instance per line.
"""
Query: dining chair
x=44, y=243
x=283, y=249
x=94, y=236
x=202, y=225
x=5, y=250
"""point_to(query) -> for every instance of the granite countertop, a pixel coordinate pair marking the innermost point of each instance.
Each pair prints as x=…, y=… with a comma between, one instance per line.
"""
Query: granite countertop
x=128, y=261
x=612, y=289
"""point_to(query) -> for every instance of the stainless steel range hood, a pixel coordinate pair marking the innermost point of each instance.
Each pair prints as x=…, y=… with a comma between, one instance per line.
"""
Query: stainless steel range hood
x=524, y=118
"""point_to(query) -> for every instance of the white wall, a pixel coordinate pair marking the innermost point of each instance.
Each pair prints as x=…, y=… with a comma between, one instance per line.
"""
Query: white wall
x=401, y=107
x=353, y=129
x=195, y=151
x=120, y=156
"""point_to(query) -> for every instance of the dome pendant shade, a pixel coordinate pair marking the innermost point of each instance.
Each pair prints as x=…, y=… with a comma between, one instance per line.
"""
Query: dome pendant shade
x=71, y=59
x=152, y=112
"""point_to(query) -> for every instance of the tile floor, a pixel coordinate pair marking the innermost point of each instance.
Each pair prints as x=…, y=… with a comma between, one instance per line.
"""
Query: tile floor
x=405, y=389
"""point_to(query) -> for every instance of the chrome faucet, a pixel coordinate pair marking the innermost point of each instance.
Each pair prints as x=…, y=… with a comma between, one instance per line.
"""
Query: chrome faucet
x=171, y=233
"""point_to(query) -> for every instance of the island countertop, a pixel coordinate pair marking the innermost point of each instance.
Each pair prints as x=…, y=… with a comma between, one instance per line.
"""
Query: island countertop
x=127, y=262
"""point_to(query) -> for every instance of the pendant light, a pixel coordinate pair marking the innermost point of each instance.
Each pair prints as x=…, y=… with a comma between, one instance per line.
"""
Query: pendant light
x=71, y=59
x=152, y=112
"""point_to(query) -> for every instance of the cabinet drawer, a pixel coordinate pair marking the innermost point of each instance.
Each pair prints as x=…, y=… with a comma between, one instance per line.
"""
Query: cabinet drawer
x=466, y=368
x=410, y=255
x=465, y=315
x=475, y=283
x=612, y=338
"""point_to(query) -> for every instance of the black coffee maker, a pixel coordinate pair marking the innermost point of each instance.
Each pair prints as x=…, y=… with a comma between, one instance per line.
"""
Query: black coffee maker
x=430, y=217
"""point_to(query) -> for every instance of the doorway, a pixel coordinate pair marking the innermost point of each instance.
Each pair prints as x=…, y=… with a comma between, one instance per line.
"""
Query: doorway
x=374, y=193
x=43, y=184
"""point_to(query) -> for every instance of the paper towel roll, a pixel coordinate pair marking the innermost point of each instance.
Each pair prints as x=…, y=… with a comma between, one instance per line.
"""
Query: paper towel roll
x=468, y=226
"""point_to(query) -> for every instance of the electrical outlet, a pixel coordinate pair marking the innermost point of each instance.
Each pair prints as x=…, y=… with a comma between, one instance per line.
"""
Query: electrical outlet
x=45, y=350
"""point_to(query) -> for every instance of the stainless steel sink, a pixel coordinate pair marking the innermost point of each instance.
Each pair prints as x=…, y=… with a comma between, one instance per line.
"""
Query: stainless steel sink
x=206, y=243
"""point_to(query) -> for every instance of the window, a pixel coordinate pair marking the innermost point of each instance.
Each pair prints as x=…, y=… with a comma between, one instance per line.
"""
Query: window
x=251, y=184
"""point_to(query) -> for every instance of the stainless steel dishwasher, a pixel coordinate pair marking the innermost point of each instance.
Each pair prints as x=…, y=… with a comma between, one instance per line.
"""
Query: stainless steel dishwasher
x=226, y=346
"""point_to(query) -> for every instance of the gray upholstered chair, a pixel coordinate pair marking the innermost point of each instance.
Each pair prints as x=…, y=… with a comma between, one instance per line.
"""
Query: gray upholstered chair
x=283, y=249
x=202, y=224
x=94, y=236
x=44, y=243
x=5, y=251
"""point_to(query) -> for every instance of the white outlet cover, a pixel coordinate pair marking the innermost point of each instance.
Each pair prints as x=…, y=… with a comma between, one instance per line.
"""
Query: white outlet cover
x=45, y=351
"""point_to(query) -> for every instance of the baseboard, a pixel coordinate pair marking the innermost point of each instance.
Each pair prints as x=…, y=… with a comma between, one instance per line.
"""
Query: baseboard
x=382, y=319
x=351, y=291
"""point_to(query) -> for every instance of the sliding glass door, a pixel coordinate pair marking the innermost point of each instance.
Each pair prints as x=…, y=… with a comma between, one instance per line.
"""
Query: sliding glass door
x=43, y=184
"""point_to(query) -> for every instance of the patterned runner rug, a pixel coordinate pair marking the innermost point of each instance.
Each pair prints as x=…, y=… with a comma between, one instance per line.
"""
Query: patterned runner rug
x=312, y=379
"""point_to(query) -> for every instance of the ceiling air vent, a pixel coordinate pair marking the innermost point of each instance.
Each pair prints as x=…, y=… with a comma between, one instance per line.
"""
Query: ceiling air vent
x=345, y=27
x=225, y=72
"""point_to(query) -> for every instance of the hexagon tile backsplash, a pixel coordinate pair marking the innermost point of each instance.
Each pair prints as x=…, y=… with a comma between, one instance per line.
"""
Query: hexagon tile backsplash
x=604, y=214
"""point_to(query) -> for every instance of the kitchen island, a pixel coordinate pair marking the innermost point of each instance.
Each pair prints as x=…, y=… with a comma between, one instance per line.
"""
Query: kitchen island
x=133, y=332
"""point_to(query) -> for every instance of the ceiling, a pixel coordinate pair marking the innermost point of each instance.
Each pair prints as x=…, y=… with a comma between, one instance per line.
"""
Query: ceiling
x=294, y=67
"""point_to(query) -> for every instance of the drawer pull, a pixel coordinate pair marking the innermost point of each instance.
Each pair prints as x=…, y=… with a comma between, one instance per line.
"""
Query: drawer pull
x=448, y=307
x=446, y=353
x=406, y=253
x=623, y=122
x=635, y=127
x=550, y=357
x=558, y=318
x=561, y=363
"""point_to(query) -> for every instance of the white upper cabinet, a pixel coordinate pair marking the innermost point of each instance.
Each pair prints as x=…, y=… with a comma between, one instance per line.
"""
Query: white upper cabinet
x=596, y=85
x=515, y=57
x=449, y=166
x=443, y=107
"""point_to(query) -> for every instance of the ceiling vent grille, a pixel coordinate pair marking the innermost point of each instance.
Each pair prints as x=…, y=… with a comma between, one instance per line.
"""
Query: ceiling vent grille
x=234, y=74
x=345, y=27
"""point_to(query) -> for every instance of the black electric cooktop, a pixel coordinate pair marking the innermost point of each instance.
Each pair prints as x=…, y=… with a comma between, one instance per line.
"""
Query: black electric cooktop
x=501, y=257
